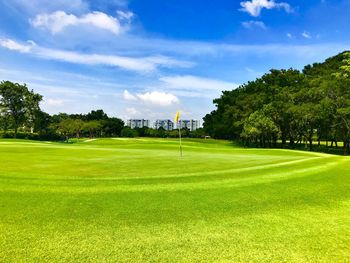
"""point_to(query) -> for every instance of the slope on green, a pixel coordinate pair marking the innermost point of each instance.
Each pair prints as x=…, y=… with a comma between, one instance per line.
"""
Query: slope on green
x=135, y=200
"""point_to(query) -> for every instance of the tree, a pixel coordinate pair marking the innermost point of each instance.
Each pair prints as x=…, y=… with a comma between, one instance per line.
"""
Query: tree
x=13, y=102
x=97, y=115
x=32, y=108
x=42, y=121
x=92, y=127
x=310, y=105
x=342, y=99
x=112, y=127
x=260, y=128
x=128, y=132
x=70, y=128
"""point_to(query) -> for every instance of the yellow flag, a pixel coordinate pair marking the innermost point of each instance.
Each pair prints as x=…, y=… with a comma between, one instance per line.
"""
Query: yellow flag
x=177, y=116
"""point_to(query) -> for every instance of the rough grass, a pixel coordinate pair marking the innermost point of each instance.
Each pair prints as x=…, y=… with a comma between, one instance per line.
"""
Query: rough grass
x=135, y=200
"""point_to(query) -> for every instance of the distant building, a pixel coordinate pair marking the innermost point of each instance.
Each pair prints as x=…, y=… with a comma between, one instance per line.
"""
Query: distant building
x=138, y=123
x=192, y=125
x=167, y=125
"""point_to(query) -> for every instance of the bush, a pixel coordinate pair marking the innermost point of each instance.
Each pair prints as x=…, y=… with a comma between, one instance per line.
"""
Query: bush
x=47, y=136
x=129, y=133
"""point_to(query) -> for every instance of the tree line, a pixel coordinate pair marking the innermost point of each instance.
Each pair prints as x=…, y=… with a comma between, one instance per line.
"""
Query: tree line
x=288, y=107
x=22, y=117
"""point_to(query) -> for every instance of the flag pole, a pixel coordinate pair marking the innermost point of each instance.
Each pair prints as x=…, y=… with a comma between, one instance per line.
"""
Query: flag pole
x=177, y=120
x=180, y=138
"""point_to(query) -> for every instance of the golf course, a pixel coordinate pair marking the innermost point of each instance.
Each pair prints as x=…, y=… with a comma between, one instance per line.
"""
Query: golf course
x=136, y=200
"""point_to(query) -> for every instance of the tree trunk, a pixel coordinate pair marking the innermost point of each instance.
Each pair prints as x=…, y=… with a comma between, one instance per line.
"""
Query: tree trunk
x=310, y=142
x=284, y=139
x=347, y=147
x=16, y=130
x=291, y=142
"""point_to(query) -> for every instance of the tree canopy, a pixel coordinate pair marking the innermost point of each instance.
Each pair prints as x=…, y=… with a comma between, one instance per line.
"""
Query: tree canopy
x=289, y=106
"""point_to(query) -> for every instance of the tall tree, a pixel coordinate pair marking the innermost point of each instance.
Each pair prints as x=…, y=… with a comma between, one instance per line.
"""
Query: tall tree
x=13, y=102
x=32, y=108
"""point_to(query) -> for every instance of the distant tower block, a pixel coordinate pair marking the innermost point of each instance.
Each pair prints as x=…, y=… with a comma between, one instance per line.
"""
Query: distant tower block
x=167, y=125
x=192, y=125
x=134, y=123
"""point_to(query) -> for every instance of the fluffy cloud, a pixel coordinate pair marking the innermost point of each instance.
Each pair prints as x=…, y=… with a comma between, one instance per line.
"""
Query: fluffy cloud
x=125, y=15
x=138, y=64
x=158, y=98
x=306, y=35
x=57, y=21
x=254, y=7
x=254, y=24
x=128, y=96
x=13, y=45
x=38, y=6
x=54, y=102
x=155, y=98
x=194, y=83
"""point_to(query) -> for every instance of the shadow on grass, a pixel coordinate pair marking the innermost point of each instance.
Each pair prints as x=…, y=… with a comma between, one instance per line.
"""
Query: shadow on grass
x=335, y=150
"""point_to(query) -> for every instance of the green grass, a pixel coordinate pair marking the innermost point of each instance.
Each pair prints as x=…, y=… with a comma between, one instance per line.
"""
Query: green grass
x=114, y=200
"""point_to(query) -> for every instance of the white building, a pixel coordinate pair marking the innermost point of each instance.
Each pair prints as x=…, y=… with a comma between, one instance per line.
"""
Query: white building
x=192, y=125
x=134, y=123
x=167, y=125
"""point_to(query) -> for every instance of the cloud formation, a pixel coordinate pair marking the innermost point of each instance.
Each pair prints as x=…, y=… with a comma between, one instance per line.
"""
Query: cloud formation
x=306, y=35
x=254, y=24
x=194, y=83
x=158, y=98
x=254, y=7
x=57, y=21
x=15, y=46
x=34, y=7
x=155, y=98
x=138, y=64
x=128, y=96
x=54, y=102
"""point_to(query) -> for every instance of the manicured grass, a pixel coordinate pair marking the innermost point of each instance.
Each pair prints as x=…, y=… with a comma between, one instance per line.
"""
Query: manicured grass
x=135, y=200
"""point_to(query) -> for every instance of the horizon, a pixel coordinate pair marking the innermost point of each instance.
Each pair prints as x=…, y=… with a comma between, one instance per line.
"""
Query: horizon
x=149, y=60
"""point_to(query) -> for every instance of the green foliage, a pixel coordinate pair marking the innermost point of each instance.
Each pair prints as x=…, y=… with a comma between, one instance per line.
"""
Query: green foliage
x=129, y=133
x=18, y=105
x=304, y=106
x=260, y=127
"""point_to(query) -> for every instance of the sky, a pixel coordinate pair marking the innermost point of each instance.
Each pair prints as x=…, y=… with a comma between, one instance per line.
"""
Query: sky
x=150, y=58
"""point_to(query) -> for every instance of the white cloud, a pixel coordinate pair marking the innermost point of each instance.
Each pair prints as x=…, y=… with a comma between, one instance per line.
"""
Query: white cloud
x=289, y=35
x=306, y=35
x=194, y=83
x=254, y=7
x=158, y=98
x=155, y=98
x=13, y=45
x=132, y=112
x=39, y=6
x=138, y=64
x=57, y=21
x=54, y=102
x=254, y=24
x=125, y=15
x=128, y=96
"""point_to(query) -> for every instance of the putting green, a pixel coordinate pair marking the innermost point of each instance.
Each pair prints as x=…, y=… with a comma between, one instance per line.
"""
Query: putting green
x=136, y=200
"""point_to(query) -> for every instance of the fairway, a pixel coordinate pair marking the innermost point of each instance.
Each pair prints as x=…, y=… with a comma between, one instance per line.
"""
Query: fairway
x=136, y=200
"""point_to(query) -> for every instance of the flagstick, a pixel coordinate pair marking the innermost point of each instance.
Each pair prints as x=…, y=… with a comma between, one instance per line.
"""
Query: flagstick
x=180, y=140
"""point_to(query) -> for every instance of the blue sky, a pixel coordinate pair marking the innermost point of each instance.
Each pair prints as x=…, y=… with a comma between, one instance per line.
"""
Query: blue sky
x=149, y=58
